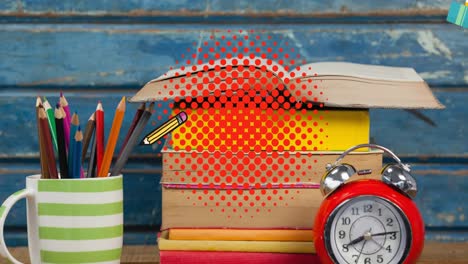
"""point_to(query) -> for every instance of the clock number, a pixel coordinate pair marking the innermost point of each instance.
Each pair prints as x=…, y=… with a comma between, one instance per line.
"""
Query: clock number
x=389, y=222
x=380, y=211
x=345, y=221
x=368, y=208
x=389, y=249
x=393, y=236
x=379, y=259
x=355, y=256
x=367, y=261
x=341, y=234
x=345, y=248
x=354, y=211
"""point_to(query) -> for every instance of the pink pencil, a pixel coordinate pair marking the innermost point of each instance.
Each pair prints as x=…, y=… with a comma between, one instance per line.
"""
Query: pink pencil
x=67, y=120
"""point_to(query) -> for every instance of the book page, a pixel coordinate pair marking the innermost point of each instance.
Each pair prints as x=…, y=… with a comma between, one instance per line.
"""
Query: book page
x=258, y=62
x=376, y=72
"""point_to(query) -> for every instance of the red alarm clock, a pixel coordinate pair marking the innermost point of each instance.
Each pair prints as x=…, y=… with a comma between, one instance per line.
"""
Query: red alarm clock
x=368, y=221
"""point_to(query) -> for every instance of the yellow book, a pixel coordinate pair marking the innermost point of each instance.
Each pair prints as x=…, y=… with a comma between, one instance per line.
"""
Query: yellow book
x=242, y=234
x=233, y=129
x=165, y=243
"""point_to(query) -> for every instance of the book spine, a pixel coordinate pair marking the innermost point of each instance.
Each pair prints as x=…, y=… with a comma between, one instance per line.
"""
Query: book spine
x=206, y=257
x=242, y=234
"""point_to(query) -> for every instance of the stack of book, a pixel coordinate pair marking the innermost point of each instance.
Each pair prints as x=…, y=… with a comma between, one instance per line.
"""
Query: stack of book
x=237, y=190
x=236, y=246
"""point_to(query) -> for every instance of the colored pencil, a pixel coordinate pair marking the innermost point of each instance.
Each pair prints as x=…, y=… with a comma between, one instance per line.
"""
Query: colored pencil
x=134, y=123
x=66, y=128
x=99, y=135
x=89, y=131
x=132, y=141
x=164, y=129
x=51, y=121
x=92, y=160
x=62, y=152
x=78, y=145
x=71, y=151
x=44, y=125
x=42, y=153
x=112, y=141
x=66, y=107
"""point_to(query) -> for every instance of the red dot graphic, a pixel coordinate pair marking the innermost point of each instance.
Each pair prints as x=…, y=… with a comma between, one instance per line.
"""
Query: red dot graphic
x=249, y=123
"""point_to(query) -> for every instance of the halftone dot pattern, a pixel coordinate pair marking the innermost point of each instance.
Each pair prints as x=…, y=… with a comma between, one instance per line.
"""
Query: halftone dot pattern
x=250, y=121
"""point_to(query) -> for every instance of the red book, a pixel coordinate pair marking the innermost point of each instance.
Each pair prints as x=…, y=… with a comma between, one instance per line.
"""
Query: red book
x=224, y=257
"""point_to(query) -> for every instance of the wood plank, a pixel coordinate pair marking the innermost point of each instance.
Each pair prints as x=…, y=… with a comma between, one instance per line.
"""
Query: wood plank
x=442, y=195
x=410, y=136
x=130, y=55
x=396, y=129
x=433, y=253
x=139, y=7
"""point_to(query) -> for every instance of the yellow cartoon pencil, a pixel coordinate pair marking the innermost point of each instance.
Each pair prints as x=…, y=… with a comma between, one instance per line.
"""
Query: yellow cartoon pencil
x=164, y=129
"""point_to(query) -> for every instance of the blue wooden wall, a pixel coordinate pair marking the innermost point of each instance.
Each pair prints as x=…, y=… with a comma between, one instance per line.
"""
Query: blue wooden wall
x=95, y=49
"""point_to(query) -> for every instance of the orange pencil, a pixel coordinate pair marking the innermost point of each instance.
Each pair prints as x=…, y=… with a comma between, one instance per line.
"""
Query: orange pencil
x=99, y=135
x=112, y=141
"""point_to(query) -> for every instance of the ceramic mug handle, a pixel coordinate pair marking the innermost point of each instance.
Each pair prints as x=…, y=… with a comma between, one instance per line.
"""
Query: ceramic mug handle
x=4, y=210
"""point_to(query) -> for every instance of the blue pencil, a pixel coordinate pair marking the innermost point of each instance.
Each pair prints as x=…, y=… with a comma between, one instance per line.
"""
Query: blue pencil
x=77, y=153
x=71, y=152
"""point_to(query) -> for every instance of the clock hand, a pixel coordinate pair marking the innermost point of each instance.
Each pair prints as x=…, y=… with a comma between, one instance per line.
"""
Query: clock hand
x=375, y=242
x=355, y=241
x=384, y=233
x=359, y=239
x=360, y=252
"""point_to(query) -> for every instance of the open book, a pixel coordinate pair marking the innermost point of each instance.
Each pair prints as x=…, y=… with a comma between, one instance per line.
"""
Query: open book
x=335, y=84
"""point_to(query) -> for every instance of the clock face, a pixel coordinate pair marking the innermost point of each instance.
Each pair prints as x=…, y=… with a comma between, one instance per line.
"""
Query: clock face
x=367, y=230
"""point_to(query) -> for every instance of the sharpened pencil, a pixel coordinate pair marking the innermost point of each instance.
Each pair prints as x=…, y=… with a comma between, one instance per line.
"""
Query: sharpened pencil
x=48, y=144
x=78, y=145
x=42, y=153
x=71, y=151
x=136, y=118
x=99, y=135
x=66, y=107
x=112, y=141
x=88, y=134
x=66, y=128
x=62, y=152
x=132, y=141
x=51, y=121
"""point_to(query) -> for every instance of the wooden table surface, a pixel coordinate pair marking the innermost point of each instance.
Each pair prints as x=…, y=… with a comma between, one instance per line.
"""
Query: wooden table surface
x=447, y=253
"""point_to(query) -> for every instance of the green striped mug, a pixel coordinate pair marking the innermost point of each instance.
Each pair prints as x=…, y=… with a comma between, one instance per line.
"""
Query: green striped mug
x=70, y=220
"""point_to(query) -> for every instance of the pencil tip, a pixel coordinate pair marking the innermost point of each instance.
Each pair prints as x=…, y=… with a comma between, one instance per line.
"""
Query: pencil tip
x=144, y=142
x=99, y=106
x=61, y=94
x=38, y=101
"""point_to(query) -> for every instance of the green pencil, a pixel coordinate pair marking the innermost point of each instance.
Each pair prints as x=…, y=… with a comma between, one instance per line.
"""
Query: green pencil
x=51, y=121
